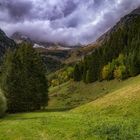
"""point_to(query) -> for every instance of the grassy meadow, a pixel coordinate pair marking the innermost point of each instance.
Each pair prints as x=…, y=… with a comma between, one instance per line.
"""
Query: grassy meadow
x=73, y=94
x=113, y=114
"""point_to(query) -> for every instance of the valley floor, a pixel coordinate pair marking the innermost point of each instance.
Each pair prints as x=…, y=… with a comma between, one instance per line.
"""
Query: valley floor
x=112, y=116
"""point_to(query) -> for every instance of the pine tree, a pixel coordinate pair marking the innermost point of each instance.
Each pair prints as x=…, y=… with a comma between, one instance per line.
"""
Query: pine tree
x=77, y=73
x=134, y=63
x=90, y=77
x=23, y=80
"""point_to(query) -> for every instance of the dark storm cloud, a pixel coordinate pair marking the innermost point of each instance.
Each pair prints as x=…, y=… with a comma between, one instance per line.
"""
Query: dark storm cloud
x=65, y=21
x=69, y=8
x=17, y=10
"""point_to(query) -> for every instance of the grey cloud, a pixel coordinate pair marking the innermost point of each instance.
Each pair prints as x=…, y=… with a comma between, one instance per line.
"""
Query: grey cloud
x=65, y=21
x=69, y=8
x=18, y=10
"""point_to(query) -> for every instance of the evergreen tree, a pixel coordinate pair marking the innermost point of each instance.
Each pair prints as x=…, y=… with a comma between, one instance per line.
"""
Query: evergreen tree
x=134, y=63
x=85, y=68
x=89, y=76
x=23, y=80
x=77, y=73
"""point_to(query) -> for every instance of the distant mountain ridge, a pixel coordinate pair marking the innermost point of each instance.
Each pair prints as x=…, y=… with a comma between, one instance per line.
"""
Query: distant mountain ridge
x=19, y=37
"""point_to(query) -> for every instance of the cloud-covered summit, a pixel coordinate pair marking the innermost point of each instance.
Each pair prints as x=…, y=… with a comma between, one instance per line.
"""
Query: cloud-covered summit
x=63, y=21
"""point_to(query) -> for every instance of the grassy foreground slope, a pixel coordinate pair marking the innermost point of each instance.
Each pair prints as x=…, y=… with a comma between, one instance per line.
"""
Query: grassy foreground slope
x=114, y=116
x=73, y=94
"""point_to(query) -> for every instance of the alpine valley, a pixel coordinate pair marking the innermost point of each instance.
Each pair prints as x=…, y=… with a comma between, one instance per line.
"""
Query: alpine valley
x=57, y=91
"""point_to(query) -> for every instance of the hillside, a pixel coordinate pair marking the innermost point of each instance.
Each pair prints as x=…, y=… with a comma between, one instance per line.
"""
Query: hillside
x=5, y=43
x=73, y=94
x=121, y=40
x=88, y=92
x=78, y=54
x=113, y=38
x=119, y=48
x=117, y=101
x=124, y=22
x=114, y=116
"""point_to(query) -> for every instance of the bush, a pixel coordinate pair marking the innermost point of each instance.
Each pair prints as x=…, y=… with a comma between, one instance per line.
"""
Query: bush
x=3, y=104
x=61, y=76
x=120, y=72
x=107, y=72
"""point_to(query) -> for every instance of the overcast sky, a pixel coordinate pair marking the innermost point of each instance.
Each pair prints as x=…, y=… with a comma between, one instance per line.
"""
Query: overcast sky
x=64, y=21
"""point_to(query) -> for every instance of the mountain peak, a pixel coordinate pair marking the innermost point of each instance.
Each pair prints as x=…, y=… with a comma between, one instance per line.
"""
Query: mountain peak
x=136, y=11
x=19, y=37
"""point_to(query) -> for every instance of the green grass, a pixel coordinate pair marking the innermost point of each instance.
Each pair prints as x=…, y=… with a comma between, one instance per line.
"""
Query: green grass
x=112, y=116
x=73, y=94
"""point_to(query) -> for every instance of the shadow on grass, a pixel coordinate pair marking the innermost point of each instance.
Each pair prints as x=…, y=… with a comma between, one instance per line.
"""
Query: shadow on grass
x=18, y=116
x=57, y=109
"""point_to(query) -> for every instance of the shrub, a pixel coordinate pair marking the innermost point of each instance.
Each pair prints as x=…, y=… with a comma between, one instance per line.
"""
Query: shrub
x=107, y=72
x=120, y=72
x=61, y=76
